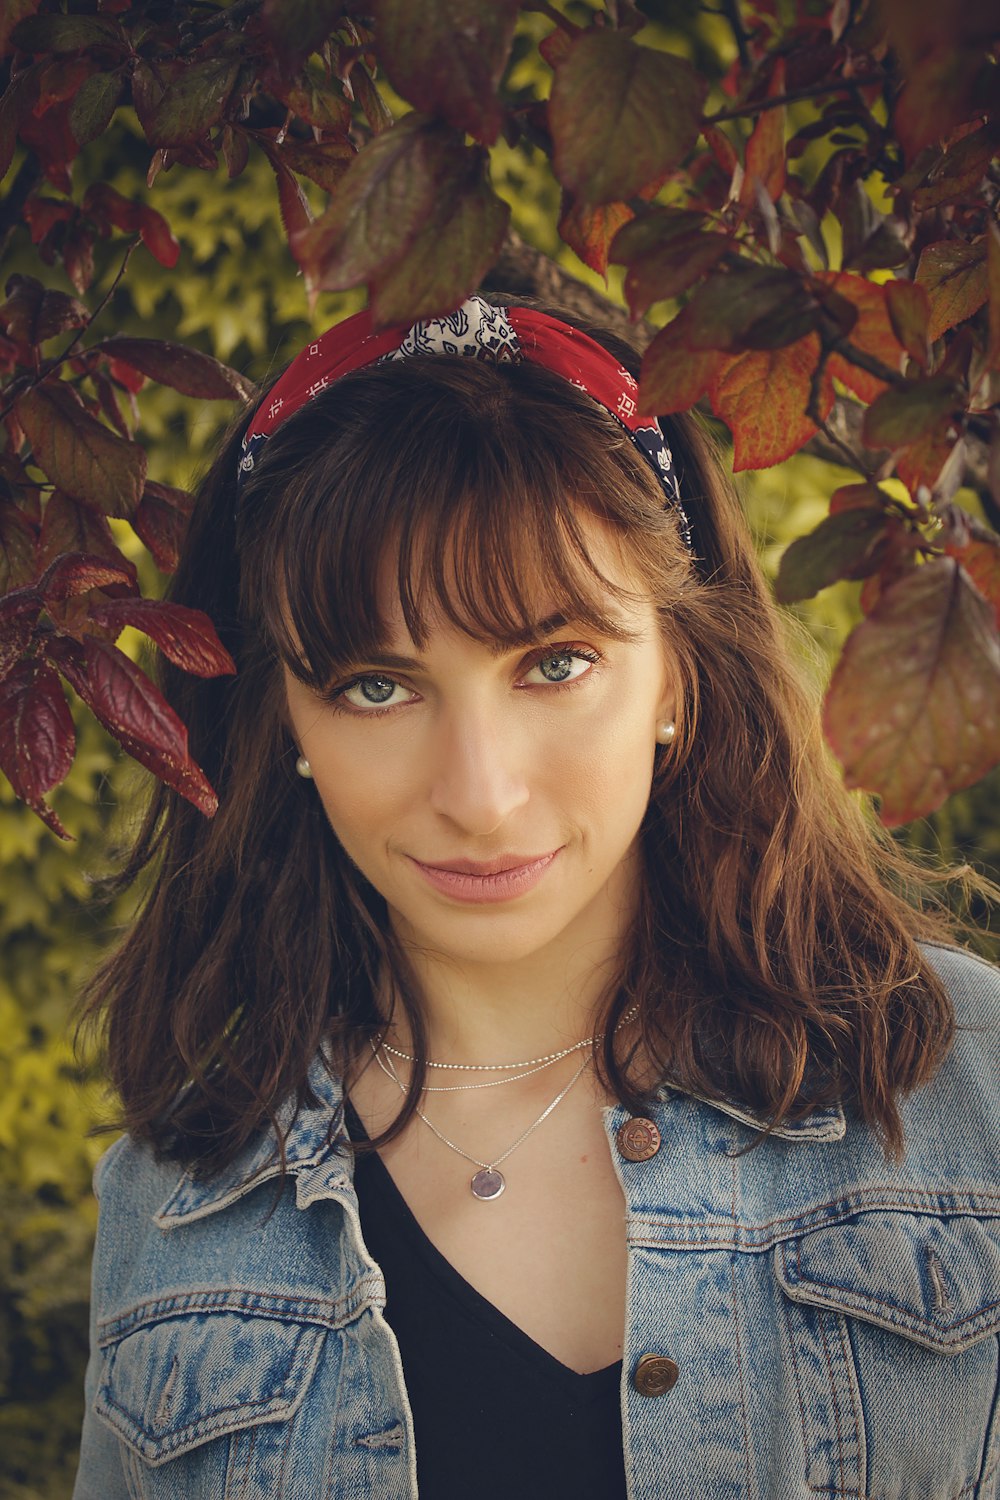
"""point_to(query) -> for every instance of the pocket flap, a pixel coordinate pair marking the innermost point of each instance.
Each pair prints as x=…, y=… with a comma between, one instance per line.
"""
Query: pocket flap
x=171, y=1384
x=934, y=1280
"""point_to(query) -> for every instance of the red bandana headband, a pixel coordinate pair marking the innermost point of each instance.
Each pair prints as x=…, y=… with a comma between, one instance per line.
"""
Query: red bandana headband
x=481, y=331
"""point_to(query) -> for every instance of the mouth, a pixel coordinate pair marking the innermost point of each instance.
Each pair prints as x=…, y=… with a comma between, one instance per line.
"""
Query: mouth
x=483, y=881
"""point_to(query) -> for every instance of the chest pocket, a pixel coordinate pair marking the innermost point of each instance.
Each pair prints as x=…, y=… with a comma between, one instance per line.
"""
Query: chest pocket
x=171, y=1385
x=893, y=1321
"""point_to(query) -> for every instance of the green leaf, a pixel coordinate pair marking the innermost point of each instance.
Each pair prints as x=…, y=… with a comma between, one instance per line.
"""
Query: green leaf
x=954, y=276
x=446, y=57
x=621, y=115
x=192, y=103
x=64, y=34
x=899, y=416
x=80, y=454
x=750, y=307
x=846, y=545
x=447, y=260
x=95, y=102
x=913, y=709
x=909, y=312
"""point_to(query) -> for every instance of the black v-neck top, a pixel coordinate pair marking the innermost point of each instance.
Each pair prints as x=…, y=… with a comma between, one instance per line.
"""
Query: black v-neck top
x=494, y=1413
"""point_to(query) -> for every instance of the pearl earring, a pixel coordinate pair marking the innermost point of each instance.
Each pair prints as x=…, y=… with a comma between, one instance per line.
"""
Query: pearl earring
x=666, y=731
x=304, y=768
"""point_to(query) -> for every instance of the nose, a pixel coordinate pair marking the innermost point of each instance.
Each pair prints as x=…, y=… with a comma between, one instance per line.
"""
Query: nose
x=478, y=777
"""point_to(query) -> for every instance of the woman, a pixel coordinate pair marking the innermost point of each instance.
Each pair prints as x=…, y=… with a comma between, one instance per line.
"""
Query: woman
x=536, y=1082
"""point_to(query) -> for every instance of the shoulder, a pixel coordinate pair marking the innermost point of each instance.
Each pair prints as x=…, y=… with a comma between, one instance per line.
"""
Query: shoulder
x=973, y=986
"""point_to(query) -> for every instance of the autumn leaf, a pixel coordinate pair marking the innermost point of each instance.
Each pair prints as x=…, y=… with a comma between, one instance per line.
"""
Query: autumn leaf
x=766, y=432
x=954, y=276
x=72, y=526
x=134, y=712
x=750, y=307
x=664, y=251
x=17, y=549
x=674, y=376
x=845, y=545
x=588, y=229
x=185, y=636
x=903, y=416
x=416, y=192
x=446, y=58
x=80, y=454
x=913, y=708
x=765, y=151
x=37, y=738
x=620, y=116
x=872, y=332
x=186, y=370
x=909, y=310
x=161, y=522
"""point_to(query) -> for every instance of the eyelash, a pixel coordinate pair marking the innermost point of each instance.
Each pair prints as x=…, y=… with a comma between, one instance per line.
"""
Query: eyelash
x=334, y=695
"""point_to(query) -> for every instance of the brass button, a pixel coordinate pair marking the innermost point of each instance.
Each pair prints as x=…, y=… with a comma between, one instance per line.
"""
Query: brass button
x=654, y=1374
x=638, y=1139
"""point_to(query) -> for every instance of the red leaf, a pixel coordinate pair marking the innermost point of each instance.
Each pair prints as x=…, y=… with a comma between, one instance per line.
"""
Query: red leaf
x=75, y=573
x=162, y=521
x=588, y=230
x=37, y=738
x=79, y=454
x=937, y=96
x=185, y=636
x=872, y=333
x=156, y=235
x=957, y=176
x=909, y=312
x=186, y=370
x=135, y=713
x=446, y=58
x=298, y=27
x=954, y=276
x=664, y=251
x=17, y=548
x=673, y=377
x=31, y=314
x=235, y=150
x=765, y=153
x=414, y=217
x=324, y=164
x=621, y=115
x=192, y=103
x=19, y=613
x=920, y=463
x=768, y=428
x=296, y=215
x=71, y=526
x=913, y=709
x=981, y=560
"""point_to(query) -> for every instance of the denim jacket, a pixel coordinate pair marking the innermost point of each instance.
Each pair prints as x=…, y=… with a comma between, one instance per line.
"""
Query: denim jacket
x=834, y=1319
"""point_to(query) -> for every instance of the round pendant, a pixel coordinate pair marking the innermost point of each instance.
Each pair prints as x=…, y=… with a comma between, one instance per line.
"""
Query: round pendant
x=487, y=1184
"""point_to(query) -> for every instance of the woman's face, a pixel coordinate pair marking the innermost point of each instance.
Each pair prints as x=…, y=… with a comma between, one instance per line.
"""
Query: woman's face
x=493, y=795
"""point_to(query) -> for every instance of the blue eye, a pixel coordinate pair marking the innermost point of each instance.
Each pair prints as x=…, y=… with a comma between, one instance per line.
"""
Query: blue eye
x=373, y=692
x=558, y=666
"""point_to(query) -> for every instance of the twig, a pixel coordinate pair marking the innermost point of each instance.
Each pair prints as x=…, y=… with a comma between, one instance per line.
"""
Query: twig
x=22, y=385
x=775, y=100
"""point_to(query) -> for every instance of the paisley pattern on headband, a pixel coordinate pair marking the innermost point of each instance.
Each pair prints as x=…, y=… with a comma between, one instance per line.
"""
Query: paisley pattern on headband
x=476, y=330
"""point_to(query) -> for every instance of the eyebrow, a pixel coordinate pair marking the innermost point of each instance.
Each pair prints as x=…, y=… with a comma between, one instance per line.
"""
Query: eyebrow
x=501, y=645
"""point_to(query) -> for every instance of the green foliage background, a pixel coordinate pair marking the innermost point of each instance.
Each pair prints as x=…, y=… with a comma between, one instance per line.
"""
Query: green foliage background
x=234, y=294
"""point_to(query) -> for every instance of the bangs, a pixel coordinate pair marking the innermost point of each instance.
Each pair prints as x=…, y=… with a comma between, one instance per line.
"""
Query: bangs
x=456, y=489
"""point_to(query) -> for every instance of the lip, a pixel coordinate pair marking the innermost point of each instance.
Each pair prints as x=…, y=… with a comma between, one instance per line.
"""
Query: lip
x=488, y=880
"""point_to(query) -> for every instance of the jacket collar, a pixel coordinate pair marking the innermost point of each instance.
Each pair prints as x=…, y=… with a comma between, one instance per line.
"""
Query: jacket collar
x=322, y=1167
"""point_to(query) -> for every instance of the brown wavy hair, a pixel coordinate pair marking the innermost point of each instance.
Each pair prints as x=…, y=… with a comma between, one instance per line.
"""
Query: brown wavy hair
x=774, y=959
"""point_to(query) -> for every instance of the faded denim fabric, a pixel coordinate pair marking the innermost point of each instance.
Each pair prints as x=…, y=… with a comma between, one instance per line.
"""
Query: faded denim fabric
x=835, y=1319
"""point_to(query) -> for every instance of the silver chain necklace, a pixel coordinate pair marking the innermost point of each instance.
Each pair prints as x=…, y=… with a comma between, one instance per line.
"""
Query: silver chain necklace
x=531, y=1062
x=487, y=1183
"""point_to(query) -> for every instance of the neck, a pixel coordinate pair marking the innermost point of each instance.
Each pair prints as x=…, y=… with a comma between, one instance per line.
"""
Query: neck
x=505, y=1012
